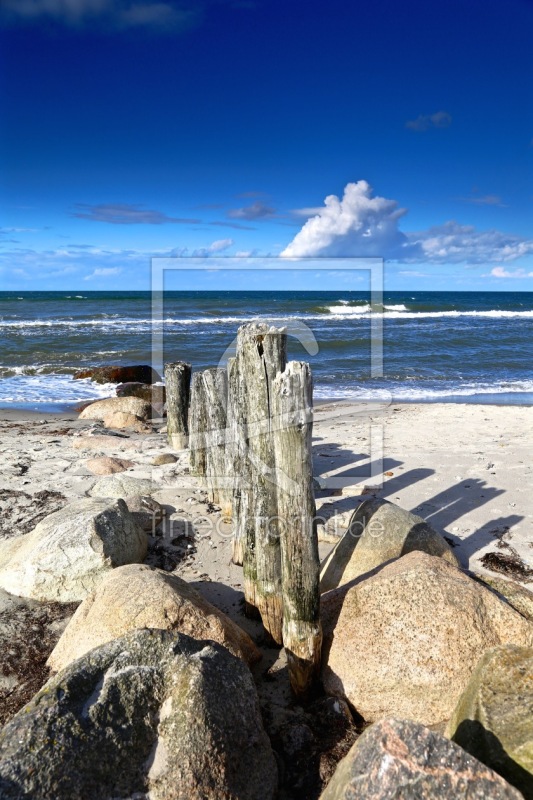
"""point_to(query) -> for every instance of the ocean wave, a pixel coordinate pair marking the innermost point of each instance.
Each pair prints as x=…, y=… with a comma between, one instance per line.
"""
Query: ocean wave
x=54, y=388
x=51, y=389
x=423, y=393
x=335, y=312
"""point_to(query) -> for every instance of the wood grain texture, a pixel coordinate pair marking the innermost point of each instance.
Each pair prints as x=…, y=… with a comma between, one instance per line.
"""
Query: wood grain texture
x=292, y=424
x=177, y=382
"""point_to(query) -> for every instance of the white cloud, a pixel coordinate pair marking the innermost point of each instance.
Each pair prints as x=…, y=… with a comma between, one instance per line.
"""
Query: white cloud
x=219, y=245
x=441, y=119
x=360, y=224
x=485, y=200
x=501, y=272
x=310, y=211
x=455, y=243
x=103, y=272
x=104, y=14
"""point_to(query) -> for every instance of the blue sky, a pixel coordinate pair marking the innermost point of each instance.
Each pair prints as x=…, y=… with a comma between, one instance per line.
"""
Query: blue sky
x=133, y=129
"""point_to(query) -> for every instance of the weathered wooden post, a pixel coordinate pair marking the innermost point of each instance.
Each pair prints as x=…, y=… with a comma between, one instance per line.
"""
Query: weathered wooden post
x=261, y=353
x=292, y=420
x=197, y=424
x=215, y=392
x=178, y=381
x=237, y=467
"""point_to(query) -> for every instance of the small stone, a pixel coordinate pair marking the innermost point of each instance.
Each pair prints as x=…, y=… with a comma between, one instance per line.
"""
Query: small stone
x=163, y=458
x=106, y=465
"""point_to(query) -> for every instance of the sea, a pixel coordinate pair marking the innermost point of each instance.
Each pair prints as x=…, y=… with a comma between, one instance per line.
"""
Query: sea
x=465, y=347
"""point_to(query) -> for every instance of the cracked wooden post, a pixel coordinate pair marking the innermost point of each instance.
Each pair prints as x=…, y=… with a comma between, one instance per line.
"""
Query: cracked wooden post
x=197, y=426
x=235, y=503
x=292, y=405
x=261, y=354
x=215, y=391
x=177, y=382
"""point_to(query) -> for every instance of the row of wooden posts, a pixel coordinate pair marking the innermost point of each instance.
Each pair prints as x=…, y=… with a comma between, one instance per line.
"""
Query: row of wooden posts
x=249, y=430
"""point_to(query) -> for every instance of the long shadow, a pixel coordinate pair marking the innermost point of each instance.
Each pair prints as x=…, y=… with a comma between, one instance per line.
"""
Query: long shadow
x=456, y=502
x=403, y=480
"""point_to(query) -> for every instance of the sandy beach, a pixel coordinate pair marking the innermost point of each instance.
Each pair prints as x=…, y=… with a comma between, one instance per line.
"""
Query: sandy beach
x=464, y=468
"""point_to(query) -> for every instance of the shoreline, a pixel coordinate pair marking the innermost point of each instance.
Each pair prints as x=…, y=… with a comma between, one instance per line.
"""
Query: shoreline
x=26, y=411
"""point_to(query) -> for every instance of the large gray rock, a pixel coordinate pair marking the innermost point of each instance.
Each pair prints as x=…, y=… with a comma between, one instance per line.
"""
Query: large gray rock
x=67, y=553
x=493, y=719
x=127, y=405
x=121, y=486
x=138, y=596
x=404, y=641
x=402, y=760
x=153, y=714
x=142, y=373
x=378, y=532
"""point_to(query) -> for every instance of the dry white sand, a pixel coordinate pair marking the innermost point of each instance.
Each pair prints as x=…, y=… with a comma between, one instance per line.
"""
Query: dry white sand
x=464, y=468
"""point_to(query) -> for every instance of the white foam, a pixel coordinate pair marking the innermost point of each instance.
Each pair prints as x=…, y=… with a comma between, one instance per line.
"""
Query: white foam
x=411, y=393
x=335, y=312
x=51, y=389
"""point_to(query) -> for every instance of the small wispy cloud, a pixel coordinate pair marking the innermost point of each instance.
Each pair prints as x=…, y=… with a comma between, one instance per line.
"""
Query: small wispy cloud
x=309, y=211
x=126, y=214
x=103, y=272
x=412, y=273
x=501, y=272
x=220, y=244
x=257, y=210
x=236, y=225
x=485, y=200
x=106, y=15
x=424, y=122
x=17, y=230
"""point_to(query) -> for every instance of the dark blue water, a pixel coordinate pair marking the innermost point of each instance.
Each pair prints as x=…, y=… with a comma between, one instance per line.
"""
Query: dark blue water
x=464, y=346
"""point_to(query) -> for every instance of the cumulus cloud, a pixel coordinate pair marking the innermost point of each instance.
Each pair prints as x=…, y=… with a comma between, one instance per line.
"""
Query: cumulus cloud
x=359, y=224
x=501, y=272
x=126, y=214
x=440, y=119
x=356, y=224
x=163, y=16
x=257, y=210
